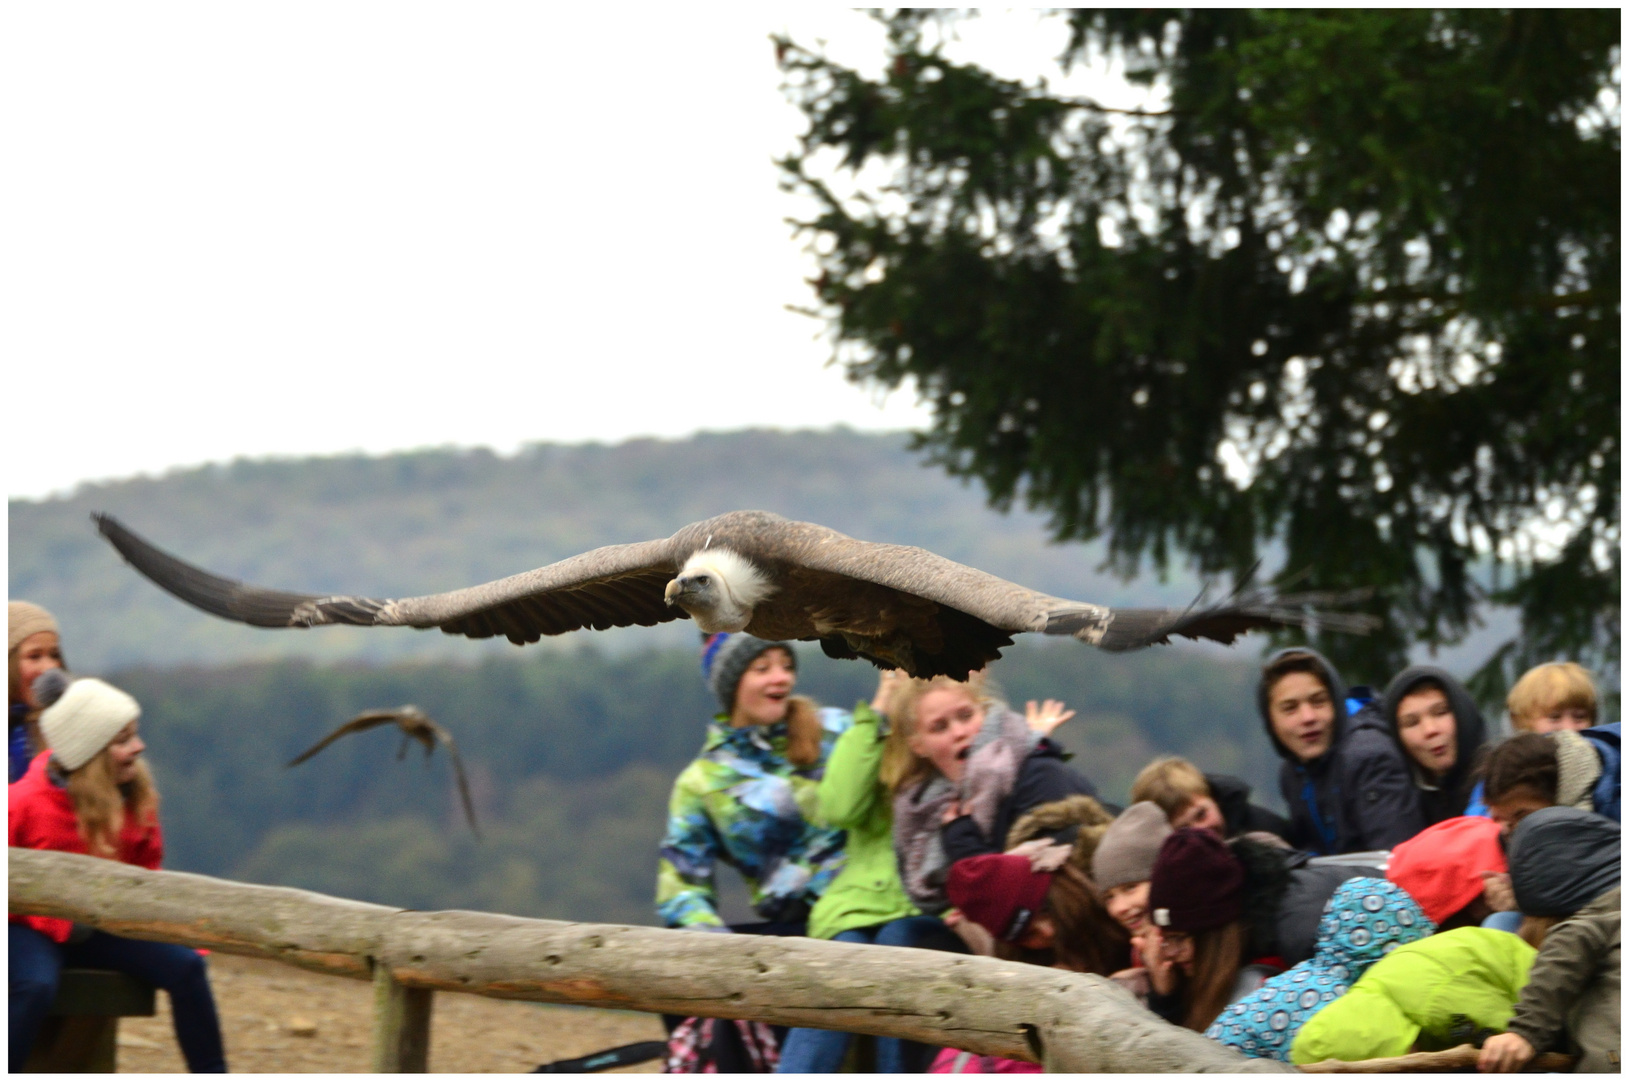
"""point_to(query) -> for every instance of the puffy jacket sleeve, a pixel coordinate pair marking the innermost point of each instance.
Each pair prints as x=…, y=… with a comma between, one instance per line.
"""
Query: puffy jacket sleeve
x=1380, y=800
x=1565, y=966
x=851, y=786
x=686, y=881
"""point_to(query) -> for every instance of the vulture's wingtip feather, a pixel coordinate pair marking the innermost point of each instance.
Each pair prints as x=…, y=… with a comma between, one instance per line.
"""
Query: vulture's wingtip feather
x=220, y=596
x=1137, y=628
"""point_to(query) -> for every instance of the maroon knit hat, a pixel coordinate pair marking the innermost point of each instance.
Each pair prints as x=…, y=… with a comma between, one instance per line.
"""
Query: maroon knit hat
x=1001, y=893
x=1197, y=883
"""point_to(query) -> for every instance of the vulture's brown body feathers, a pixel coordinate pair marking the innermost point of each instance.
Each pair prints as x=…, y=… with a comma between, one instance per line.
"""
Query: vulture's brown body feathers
x=896, y=606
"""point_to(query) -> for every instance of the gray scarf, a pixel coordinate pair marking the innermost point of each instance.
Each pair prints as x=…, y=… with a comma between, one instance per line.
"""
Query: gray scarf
x=997, y=754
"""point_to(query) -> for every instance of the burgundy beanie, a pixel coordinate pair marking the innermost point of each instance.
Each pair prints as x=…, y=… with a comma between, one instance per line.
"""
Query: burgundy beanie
x=1197, y=883
x=1000, y=893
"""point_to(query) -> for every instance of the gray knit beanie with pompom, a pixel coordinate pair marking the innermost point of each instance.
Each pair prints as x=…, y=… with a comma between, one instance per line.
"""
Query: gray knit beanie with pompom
x=724, y=662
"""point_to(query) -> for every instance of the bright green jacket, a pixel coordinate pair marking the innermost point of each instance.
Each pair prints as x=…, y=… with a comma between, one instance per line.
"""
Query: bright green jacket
x=868, y=891
x=1419, y=993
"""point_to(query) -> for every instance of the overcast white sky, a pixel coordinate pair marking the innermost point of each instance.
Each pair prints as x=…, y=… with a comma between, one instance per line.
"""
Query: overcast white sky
x=306, y=228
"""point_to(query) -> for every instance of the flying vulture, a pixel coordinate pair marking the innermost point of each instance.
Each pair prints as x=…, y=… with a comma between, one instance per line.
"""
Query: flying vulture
x=414, y=725
x=896, y=606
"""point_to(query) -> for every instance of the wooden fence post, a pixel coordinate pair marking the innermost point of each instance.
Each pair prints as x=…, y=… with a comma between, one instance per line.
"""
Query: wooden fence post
x=400, y=1024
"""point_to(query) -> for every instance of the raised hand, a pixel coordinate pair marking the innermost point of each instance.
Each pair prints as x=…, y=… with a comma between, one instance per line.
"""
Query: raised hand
x=1044, y=719
x=888, y=687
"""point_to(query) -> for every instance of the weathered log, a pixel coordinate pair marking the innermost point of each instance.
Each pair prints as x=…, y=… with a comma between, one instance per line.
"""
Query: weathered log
x=1457, y=1059
x=308, y=930
x=1071, y=1023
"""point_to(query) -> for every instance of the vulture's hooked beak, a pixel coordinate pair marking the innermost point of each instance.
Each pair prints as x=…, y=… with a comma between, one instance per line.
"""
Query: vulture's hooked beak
x=675, y=588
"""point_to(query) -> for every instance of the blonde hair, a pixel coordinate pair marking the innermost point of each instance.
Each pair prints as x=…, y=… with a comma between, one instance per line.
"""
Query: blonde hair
x=102, y=806
x=900, y=766
x=1170, y=782
x=1558, y=685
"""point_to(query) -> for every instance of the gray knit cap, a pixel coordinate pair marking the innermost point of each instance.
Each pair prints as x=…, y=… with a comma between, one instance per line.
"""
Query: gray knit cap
x=1130, y=846
x=724, y=662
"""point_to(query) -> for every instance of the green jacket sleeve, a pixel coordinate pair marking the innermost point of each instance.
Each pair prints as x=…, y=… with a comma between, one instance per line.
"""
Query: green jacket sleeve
x=1567, y=963
x=851, y=784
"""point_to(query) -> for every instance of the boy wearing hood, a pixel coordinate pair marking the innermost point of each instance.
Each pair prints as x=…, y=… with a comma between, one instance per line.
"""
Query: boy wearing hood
x=1343, y=777
x=1436, y=724
x=1566, y=865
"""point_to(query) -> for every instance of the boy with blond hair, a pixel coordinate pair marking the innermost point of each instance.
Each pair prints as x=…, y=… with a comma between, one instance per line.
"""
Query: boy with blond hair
x=1191, y=798
x=1559, y=696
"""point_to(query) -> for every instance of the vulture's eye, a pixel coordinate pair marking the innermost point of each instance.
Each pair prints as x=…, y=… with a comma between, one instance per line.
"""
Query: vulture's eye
x=702, y=579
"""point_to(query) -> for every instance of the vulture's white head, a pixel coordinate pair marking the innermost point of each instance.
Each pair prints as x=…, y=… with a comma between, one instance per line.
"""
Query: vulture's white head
x=719, y=588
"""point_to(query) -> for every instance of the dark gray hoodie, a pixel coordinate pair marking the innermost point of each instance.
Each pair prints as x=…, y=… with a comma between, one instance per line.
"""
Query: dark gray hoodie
x=1447, y=797
x=1358, y=796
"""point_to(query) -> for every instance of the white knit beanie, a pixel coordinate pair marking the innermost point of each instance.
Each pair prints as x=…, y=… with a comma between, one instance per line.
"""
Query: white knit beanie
x=84, y=720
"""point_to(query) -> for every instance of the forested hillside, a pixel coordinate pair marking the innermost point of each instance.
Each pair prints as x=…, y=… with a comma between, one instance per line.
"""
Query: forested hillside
x=408, y=524
x=571, y=753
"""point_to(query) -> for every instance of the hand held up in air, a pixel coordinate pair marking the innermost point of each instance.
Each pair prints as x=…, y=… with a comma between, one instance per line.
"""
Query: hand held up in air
x=1044, y=719
x=888, y=688
x=1507, y=1052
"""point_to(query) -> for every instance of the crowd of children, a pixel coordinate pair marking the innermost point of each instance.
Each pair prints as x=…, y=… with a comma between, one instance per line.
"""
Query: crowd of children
x=1428, y=886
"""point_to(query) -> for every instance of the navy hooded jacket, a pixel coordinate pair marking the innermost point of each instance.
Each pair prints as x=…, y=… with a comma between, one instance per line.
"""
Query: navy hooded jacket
x=1358, y=795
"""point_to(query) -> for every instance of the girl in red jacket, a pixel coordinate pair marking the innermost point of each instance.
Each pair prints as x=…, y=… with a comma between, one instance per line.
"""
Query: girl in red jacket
x=91, y=793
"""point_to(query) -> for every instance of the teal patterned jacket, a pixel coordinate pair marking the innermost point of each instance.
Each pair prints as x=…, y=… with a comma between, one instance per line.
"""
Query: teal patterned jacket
x=742, y=803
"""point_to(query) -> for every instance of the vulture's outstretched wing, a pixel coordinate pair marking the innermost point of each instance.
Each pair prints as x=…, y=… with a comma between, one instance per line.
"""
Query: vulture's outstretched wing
x=894, y=605
x=414, y=725
x=1013, y=608
x=620, y=585
x=1136, y=628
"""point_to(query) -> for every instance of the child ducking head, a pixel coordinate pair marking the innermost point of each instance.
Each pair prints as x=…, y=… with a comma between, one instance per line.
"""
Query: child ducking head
x=1052, y=917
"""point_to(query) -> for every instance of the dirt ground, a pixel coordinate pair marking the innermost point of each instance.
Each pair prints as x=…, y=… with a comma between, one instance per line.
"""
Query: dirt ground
x=263, y=1003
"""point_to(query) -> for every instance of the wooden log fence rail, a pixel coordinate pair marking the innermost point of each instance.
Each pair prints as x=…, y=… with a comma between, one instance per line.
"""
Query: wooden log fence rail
x=1066, y=1022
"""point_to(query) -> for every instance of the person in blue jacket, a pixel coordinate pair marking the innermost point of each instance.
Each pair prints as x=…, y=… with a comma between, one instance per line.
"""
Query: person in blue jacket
x=1343, y=777
x=33, y=647
x=1531, y=772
